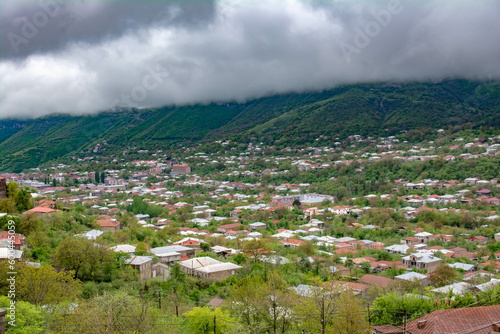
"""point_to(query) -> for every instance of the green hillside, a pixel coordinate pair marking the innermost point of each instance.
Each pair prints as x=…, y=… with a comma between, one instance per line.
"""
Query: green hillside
x=369, y=109
x=387, y=109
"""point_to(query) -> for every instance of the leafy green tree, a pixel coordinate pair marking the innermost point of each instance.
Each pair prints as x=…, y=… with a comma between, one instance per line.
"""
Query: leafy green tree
x=30, y=319
x=7, y=205
x=29, y=224
x=392, y=307
x=246, y=303
x=318, y=309
x=45, y=286
x=350, y=317
x=86, y=258
x=23, y=200
x=255, y=248
x=118, y=312
x=202, y=320
x=12, y=188
x=141, y=249
x=239, y=258
x=444, y=275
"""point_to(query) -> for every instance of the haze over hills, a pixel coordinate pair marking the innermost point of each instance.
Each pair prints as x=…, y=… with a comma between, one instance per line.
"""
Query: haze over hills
x=369, y=109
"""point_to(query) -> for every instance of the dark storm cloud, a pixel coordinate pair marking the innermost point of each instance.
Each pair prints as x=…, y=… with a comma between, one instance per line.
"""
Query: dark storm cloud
x=89, y=21
x=157, y=53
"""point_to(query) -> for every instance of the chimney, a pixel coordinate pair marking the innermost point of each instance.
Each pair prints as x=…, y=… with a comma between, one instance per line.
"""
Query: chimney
x=421, y=324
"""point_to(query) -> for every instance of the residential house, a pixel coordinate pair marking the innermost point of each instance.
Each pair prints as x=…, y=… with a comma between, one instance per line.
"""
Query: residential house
x=373, y=280
x=229, y=227
x=422, y=261
x=340, y=210
x=170, y=254
x=18, y=241
x=414, y=277
x=424, y=237
x=91, y=235
x=40, y=211
x=292, y=243
x=471, y=181
x=397, y=249
x=256, y=226
x=143, y=264
x=477, y=320
x=109, y=225
x=411, y=241
x=8, y=253
x=180, y=169
x=208, y=268
x=129, y=249
x=343, y=271
x=480, y=240
x=235, y=214
x=45, y=203
x=464, y=266
x=188, y=242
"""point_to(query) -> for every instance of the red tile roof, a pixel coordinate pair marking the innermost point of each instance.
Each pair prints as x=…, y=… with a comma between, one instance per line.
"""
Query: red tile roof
x=476, y=320
x=380, y=281
x=108, y=223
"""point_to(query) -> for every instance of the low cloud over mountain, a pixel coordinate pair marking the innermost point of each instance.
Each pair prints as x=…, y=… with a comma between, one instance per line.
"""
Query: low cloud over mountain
x=84, y=57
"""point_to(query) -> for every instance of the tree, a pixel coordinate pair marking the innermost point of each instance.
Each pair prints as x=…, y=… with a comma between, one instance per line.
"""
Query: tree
x=204, y=246
x=176, y=284
x=307, y=248
x=23, y=200
x=118, y=312
x=30, y=319
x=29, y=224
x=318, y=309
x=203, y=320
x=85, y=257
x=245, y=302
x=45, y=286
x=444, y=275
x=278, y=302
x=392, y=307
x=12, y=188
x=255, y=248
x=351, y=317
x=141, y=249
x=7, y=205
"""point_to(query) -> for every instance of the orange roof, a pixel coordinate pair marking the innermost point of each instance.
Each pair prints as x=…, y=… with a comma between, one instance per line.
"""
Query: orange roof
x=40, y=209
x=108, y=223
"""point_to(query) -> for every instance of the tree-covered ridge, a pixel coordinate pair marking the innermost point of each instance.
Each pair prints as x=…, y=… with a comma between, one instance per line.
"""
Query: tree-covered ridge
x=369, y=109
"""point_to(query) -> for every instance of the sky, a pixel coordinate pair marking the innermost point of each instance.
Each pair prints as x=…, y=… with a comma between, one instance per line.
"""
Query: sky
x=87, y=56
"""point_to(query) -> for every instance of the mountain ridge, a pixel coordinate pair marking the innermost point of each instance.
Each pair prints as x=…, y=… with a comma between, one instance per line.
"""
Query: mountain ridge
x=369, y=109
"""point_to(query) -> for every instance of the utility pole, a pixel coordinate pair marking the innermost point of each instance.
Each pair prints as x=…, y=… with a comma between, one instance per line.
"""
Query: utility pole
x=159, y=298
x=323, y=322
x=215, y=324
